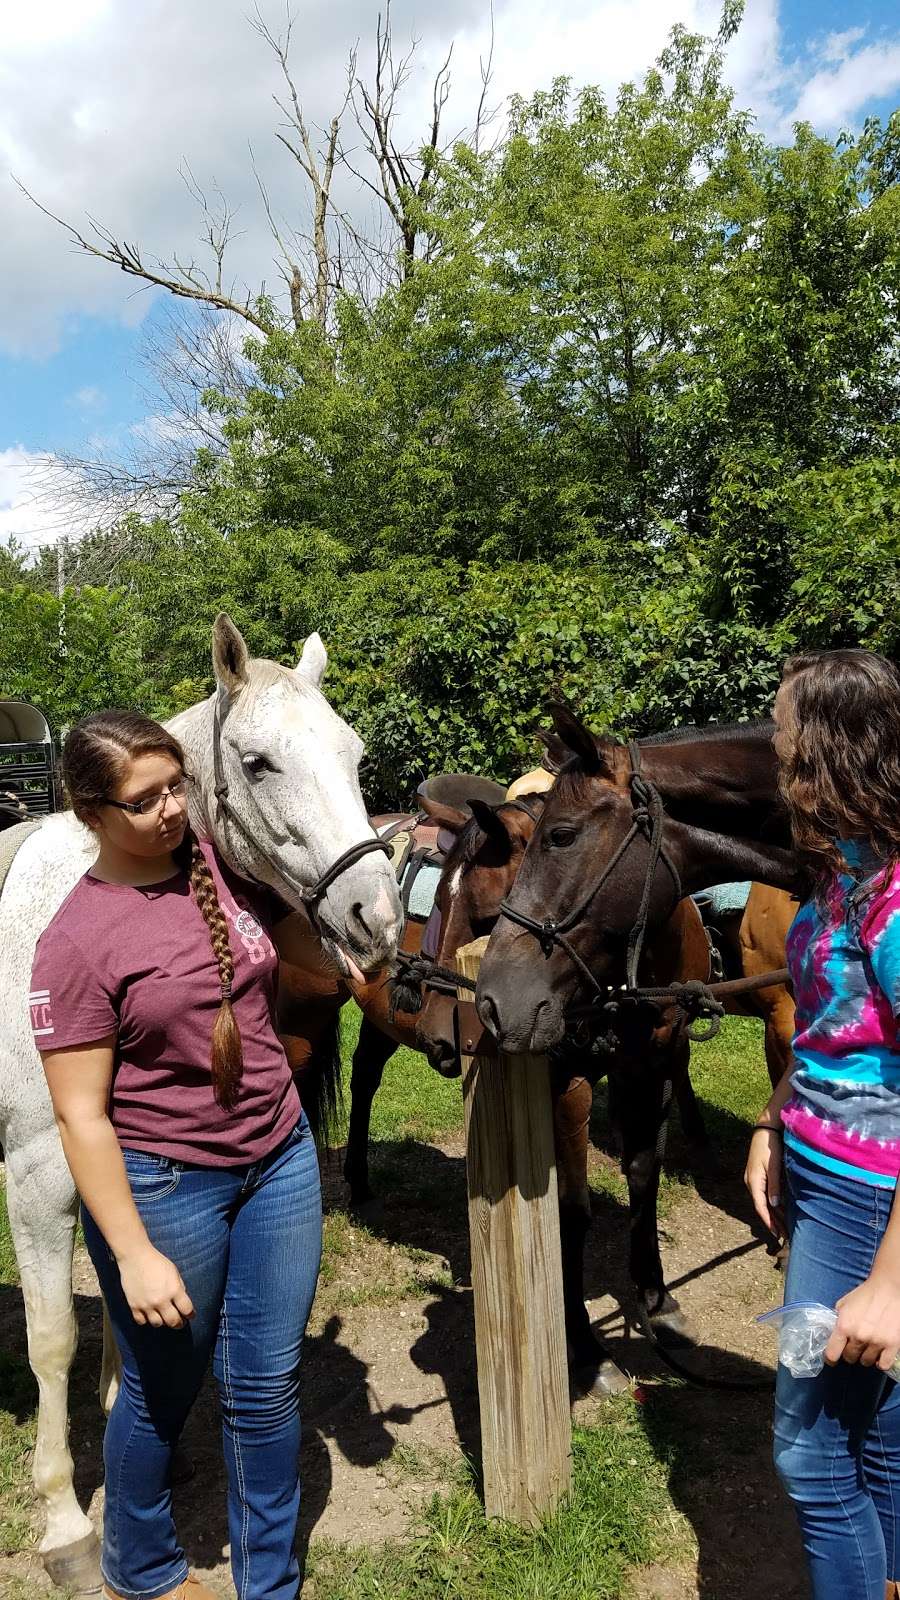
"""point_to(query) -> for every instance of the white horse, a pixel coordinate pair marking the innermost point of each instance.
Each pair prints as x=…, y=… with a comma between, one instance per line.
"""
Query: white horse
x=277, y=790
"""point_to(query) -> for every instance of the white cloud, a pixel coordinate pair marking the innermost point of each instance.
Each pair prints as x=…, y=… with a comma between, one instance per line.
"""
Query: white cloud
x=835, y=46
x=836, y=96
x=29, y=511
x=101, y=101
x=605, y=43
x=88, y=398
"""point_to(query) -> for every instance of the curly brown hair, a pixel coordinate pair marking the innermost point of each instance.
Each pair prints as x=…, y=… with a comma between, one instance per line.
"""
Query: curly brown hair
x=95, y=759
x=838, y=743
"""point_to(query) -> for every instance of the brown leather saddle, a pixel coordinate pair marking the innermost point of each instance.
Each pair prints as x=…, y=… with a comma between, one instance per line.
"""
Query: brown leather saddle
x=458, y=788
x=454, y=790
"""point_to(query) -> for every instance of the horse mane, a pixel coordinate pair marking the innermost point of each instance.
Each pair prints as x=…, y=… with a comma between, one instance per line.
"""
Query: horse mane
x=263, y=673
x=572, y=779
x=465, y=845
x=726, y=731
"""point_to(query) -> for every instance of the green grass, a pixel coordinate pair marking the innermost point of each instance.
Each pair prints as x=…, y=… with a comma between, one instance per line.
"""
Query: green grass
x=9, y=1272
x=614, y=1518
x=730, y=1075
x=413, y=1102
x=18, y=1400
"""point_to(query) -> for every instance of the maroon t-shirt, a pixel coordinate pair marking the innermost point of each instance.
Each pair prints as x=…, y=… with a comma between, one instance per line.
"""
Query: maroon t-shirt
x=139, y=962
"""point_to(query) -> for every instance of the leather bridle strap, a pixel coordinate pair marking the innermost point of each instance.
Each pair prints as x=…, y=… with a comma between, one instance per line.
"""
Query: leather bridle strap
x=314, y=893
x=311, y=896
x=649, y=820
x=652, y=806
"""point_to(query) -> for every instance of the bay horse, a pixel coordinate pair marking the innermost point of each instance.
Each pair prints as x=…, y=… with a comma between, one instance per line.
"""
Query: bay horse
x=592, y=875
x=277, y=789
x=479, y=873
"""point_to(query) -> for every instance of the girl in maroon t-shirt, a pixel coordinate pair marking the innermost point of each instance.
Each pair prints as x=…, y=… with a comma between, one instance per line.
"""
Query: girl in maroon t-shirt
x=153, y=1007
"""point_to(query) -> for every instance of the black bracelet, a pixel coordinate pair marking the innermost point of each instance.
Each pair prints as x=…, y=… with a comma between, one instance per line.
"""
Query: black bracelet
x=766, y=1127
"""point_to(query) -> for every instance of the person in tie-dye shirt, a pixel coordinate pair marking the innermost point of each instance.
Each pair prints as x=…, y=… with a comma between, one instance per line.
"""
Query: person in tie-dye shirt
x=837, y=1115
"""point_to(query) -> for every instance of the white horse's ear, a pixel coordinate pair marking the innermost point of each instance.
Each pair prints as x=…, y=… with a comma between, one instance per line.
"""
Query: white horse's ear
x=313, y=661
x=231, y=658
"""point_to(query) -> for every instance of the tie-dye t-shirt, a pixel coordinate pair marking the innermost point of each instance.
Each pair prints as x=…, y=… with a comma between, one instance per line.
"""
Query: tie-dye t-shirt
x=845, y=967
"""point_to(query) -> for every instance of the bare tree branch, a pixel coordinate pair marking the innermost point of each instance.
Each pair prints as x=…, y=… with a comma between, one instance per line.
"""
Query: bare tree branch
x=483, y=117
x=324, y=250
x=318, y=166
x=189, y=285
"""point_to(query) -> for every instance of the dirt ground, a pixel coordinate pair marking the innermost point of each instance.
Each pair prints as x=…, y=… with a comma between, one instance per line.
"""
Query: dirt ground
x=390, y=1392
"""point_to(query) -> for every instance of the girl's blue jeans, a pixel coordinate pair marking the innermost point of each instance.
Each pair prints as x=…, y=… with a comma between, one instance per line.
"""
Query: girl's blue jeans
x=247, y=1242
x=837, y=1436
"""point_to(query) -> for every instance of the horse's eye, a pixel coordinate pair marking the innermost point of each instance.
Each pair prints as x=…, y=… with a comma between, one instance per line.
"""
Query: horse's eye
x=561, y=837
x=255, y=765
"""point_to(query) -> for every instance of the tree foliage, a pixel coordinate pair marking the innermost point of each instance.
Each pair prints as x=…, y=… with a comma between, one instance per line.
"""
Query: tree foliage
x=628, y=429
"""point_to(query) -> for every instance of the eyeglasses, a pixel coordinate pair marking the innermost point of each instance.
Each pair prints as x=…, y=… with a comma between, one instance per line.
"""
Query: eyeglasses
x=154, y=802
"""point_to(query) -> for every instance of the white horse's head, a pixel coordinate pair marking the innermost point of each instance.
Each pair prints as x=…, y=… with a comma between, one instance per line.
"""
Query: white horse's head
x=292, y=804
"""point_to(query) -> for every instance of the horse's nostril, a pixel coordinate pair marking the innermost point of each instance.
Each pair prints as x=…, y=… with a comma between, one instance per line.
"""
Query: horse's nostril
x=488, y=1012
x=357, y=913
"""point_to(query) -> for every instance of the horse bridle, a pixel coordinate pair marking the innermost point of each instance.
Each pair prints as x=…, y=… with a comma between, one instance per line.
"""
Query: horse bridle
x=311, y=895
x=424, y=969
x=648, y=821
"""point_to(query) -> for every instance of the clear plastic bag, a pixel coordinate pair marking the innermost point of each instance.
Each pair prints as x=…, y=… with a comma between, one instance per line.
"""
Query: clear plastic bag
x=804, y=1329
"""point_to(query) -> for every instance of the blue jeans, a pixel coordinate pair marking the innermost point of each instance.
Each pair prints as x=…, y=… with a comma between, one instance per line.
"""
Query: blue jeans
x=837, y=1436
x=247, y=1242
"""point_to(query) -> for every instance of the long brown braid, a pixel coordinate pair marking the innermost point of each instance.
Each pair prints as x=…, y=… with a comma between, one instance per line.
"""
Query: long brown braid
x=95, y=760
x=227, y=1053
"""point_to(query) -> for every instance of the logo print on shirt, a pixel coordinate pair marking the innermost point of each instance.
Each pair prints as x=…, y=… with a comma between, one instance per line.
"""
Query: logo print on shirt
x=41, y=1019
x=247, y=926
x=249, y=930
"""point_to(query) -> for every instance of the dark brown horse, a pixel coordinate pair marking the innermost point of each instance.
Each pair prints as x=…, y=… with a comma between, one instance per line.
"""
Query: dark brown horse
x=590, y=876
x=478, y=874
x=648, y=1061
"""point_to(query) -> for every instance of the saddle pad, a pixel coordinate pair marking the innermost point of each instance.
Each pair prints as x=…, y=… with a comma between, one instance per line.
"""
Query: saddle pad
x=423, y=891
x=723, y=899
x=10, y=840
x=425, y=880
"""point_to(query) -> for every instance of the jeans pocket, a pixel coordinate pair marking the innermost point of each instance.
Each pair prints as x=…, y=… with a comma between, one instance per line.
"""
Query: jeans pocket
x=150, y=1177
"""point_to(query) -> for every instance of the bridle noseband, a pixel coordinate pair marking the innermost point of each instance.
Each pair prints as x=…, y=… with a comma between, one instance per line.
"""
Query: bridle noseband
x=648, y=821
x=310, y=896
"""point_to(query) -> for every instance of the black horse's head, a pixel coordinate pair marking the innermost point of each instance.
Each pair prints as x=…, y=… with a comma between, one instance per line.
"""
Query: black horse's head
x=586, y=876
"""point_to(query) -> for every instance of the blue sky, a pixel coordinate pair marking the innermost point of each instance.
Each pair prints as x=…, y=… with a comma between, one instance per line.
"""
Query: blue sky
x=101, y=101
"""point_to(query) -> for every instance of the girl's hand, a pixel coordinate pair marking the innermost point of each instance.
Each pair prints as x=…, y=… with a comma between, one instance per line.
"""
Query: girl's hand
x=868, y=1324
x=763, y=1177
x=154, y=1289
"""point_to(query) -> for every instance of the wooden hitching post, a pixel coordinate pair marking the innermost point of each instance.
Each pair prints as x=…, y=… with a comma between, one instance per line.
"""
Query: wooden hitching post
x=520, y=1335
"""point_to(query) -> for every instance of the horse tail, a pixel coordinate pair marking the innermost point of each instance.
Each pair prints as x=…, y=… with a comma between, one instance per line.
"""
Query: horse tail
x=321, y=1090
